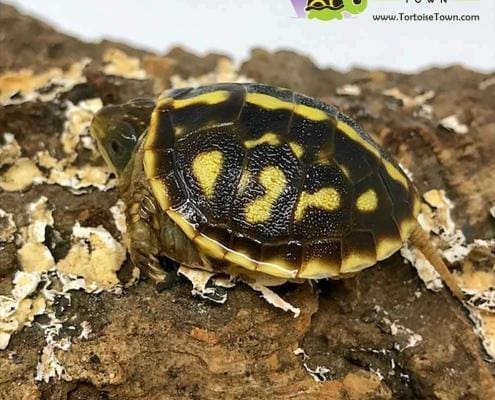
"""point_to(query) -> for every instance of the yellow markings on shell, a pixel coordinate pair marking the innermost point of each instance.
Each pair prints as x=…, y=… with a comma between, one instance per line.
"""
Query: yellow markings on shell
x=150, y=160
x=386, y=247
x=206, y=168
x=268, y=102
x=355, y=262
x=416, y=203
x=274, y=181
x=352, y=134
x=241, y=259
x=278, y=268
x=184, y=224
x=273, y=103
x=160, y=191
x=407, y=227
x=327, y=199
x=210, y=98
x=297, y=149
x=310, y=113
x=318, y=269
x=268, y=138
x=395, y=174
x=367, y=201
x=209, y=246
x=151, y=135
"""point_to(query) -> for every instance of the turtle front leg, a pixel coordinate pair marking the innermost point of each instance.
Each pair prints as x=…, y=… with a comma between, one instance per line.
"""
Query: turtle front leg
x=144, y=231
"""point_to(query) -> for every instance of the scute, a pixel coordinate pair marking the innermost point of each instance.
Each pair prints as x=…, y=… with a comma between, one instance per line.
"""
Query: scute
x=275, y=181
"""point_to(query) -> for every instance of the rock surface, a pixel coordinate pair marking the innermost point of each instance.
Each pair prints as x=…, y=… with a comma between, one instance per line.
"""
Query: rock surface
x=380, y=335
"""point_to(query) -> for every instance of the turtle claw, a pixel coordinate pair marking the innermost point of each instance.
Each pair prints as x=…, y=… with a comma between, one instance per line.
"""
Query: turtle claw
x=151, y=267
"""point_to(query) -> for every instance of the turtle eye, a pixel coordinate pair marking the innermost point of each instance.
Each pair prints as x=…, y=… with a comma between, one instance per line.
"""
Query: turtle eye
x=115, y=145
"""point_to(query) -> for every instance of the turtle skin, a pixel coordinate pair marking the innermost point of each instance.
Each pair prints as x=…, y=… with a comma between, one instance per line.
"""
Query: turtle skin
x=269, y=180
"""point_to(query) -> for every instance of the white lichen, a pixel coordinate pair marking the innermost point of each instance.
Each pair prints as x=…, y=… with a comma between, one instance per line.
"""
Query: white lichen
x=21, y=175
x=274, y=299
x=20, y=307
x=349, y=90
x=10, y=151
x=7, y=227
x=95, y=256
x=225, y=71
x=25, y=85
x=199, y=279
x=451, y=123
x=119, y=63
x=318, y=373
x=409, y=101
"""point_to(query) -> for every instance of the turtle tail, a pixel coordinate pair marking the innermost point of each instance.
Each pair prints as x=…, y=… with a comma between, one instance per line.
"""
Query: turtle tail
x=419, y=238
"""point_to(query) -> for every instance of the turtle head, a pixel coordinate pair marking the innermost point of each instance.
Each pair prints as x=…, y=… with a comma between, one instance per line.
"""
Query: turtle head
x=117, y=129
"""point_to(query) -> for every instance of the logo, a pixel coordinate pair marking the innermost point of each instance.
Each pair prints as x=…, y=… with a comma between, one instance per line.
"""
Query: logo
x=328, y=10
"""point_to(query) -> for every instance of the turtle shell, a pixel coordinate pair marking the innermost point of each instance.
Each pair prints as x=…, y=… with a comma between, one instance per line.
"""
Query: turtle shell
x=274, y=181
x=322, y=4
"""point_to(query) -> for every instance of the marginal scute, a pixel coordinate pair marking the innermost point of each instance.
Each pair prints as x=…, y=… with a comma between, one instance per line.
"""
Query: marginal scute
x=318, y=269
x=183, y=223
x=272, y=103
x=282, y=259
x=354, y=135
x=161, y=132
x=209, y=98
x=310, y=113
x=278, y=268
x=268, y=102
x=209, y=246
x=243, y=260
x=158, y=162
x=358, y=252
x=407, y=227
x=161, y=192
x=387, y=246
x=396, y=174
x=321, y=260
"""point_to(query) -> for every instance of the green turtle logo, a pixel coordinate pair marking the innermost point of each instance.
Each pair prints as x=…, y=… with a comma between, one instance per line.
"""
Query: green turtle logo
x=327, y=10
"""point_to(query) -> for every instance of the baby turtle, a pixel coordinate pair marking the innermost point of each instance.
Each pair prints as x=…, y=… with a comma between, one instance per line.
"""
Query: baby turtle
x=258, y=180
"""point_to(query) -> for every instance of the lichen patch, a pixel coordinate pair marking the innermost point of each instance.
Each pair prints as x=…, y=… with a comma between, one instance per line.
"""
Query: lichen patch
x=10, y=151
x=7, y=227
x=95, y=256
x=225, y=71
x=452, y=123
x=409, y=101
x=119, y=63
x=21, y=306
x=76, y=126
x=21, y=175
x=26, y=85
x=477, y=275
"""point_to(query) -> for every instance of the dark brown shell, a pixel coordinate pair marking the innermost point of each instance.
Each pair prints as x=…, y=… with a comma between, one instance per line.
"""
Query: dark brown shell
x=274, y=181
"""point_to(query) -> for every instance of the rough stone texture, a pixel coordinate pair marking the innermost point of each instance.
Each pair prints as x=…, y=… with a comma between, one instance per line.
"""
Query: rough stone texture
x=170, y=345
